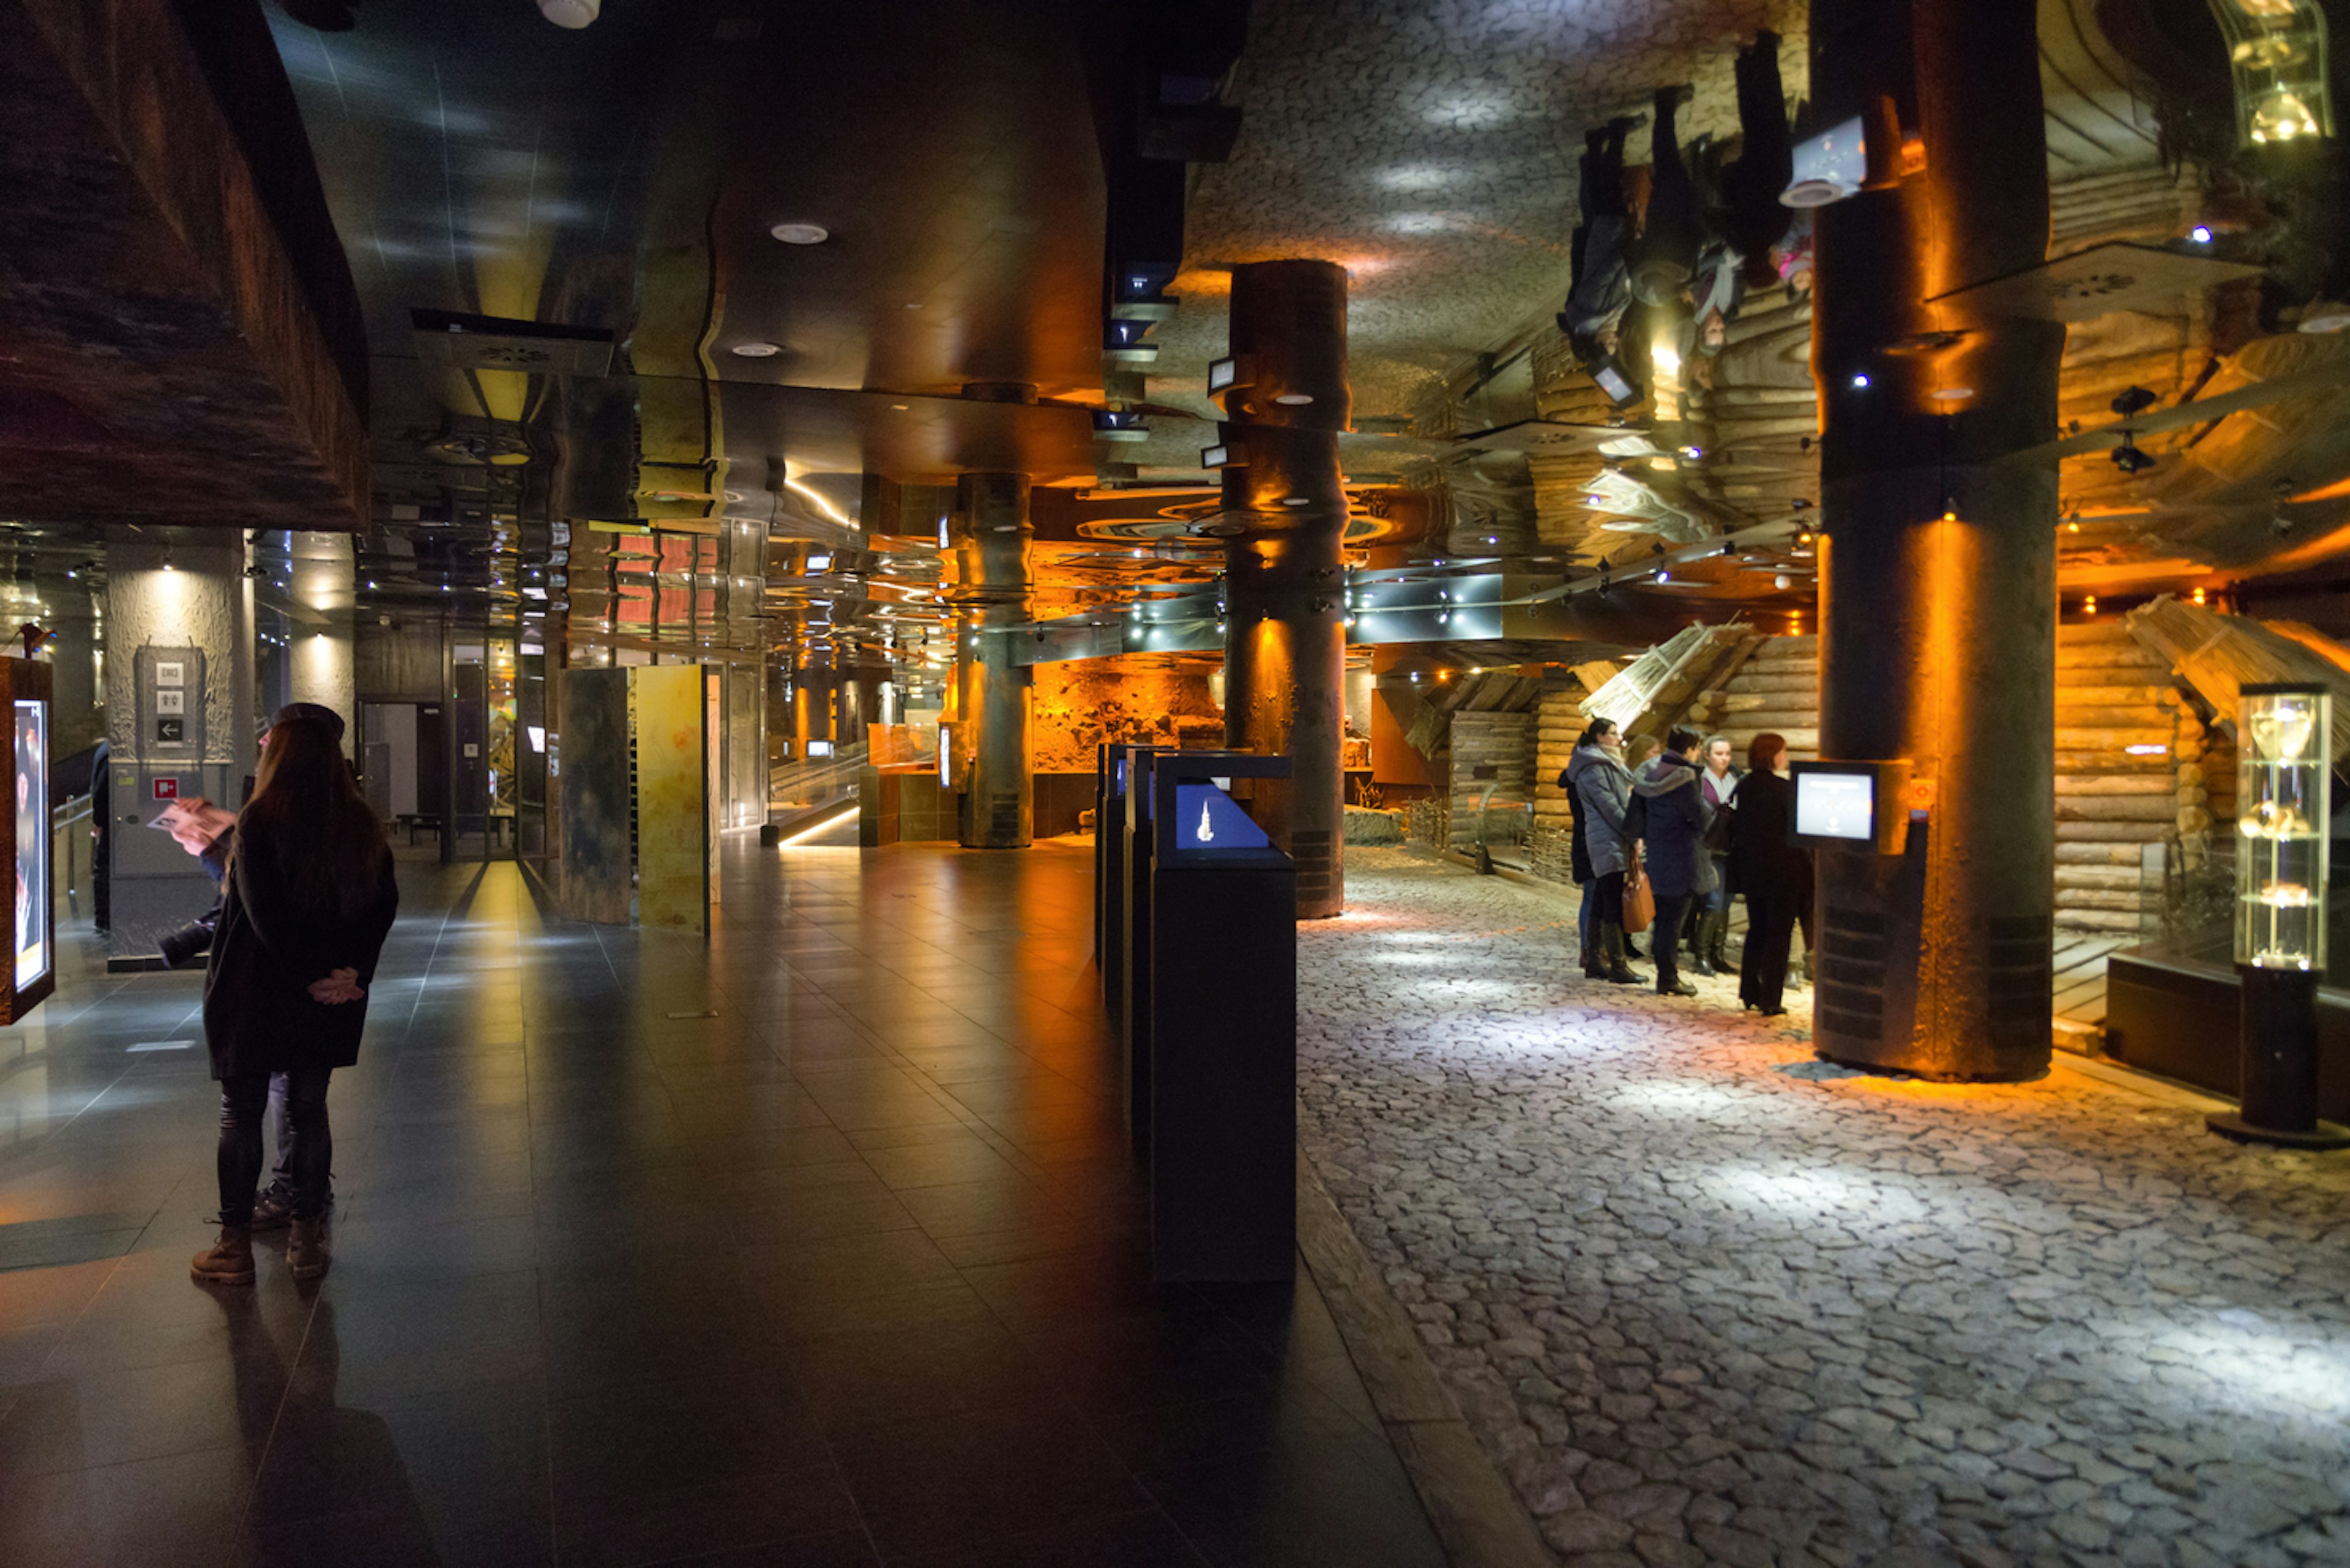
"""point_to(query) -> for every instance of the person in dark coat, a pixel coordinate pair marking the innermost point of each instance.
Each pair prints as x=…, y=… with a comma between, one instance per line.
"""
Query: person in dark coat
x=1769, y=871
x=1578, y=855
x=209, y=832
x=1673, y=816
x=1602, y=788
x=1718, y=783
x=307, y=903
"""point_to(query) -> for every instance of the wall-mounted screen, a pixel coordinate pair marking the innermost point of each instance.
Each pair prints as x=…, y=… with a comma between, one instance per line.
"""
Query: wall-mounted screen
x=1836, y=805
x=32, y=769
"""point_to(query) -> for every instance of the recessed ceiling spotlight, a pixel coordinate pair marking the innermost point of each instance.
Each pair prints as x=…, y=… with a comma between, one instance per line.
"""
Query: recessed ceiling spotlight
x=571, y=14
x=796, y=233
x=757, y=350
x=1295, y=399
x=1951, y=394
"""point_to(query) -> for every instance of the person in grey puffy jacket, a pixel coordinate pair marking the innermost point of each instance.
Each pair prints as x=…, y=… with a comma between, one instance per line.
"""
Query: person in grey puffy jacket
x=1602, y=786
x=1673, y=815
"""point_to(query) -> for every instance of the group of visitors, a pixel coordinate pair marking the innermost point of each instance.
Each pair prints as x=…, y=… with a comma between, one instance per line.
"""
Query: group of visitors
x=1667, y=254
x=1678, y=830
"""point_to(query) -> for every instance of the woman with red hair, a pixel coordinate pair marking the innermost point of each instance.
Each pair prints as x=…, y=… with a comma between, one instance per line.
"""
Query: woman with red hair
x=1770, y=870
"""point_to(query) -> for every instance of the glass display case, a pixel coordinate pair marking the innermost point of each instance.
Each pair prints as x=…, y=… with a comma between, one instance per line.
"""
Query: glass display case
x=25, y=693
x=2282, y=783
x=2276, y=56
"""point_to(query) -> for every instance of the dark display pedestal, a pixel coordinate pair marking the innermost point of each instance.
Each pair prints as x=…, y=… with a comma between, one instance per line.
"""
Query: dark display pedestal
x=1223, y=1069
x=1109, y=876
x=1129, y=1006
x=2279, y=1033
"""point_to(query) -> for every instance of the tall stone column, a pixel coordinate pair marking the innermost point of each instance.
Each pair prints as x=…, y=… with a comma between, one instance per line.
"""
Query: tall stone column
x=1285, y=596
x=181, y=712
x=1938, y=557
x=991, y=538
x=78, y=717
x=319, y=665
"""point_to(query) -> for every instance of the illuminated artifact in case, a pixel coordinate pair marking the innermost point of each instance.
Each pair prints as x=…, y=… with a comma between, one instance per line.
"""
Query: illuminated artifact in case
x=2283, y=777
x=24, y=686
x=2276, y=54
x=2282, y=782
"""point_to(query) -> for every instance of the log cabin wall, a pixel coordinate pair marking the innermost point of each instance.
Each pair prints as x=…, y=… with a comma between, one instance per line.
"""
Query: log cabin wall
x=2140, y=775
x=1491, y=750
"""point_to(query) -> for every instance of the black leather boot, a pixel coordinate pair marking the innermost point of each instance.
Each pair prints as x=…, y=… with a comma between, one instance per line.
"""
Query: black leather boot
x=1611, y=953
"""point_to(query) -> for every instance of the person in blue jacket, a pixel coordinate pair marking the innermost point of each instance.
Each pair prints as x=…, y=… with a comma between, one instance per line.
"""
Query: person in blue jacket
x=1672, y=815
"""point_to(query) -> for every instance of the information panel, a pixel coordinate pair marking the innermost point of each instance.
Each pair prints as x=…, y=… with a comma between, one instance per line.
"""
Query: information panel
x=1836, y=805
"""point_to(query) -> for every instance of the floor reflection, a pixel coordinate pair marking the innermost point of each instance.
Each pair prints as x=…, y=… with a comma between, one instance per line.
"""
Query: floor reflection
x=819, y=1243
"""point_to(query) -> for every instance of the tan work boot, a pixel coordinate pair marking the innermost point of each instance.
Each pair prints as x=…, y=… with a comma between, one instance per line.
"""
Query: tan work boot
x=305, y=1248
x=227, y=1261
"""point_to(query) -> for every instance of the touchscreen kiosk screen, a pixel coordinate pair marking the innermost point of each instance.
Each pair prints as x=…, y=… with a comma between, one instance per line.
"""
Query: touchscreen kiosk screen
x=1836, y=805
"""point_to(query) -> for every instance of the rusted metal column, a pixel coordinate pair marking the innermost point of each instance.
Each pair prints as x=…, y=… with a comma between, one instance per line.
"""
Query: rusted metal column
x=1938, y=556
x=989, y=537
x=1285, y=631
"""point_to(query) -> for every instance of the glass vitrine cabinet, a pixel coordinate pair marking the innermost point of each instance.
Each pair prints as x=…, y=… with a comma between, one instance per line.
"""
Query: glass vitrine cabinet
x=2282, y=783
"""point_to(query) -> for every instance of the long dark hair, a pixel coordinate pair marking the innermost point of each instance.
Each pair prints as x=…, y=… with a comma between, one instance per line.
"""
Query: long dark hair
x=322, y=834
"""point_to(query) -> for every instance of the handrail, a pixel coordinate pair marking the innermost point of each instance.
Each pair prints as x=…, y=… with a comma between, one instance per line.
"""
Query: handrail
x=802, y=781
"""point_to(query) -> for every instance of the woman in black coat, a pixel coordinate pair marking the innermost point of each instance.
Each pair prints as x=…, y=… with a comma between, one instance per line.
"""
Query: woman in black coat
x=308, y=902
x=1766, y=867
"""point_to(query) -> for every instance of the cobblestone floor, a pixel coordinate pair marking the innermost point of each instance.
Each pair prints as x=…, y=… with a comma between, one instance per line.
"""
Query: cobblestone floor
x=1710, y=1300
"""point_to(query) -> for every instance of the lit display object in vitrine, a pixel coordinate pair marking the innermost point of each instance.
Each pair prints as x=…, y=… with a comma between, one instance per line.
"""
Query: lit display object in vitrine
x=2282, y=779
x=2284, y=754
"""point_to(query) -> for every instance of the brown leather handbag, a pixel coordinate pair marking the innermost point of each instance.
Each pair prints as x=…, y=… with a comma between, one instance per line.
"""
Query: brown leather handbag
x=1639, y=898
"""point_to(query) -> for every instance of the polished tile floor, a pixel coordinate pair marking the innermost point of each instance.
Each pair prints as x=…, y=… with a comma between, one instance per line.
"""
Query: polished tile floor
x=816, y=1245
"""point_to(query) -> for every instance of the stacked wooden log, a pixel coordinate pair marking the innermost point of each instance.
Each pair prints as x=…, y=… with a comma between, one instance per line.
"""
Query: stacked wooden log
x=1653, y=692
x=2218, y=655
x=1491, y=751
x=1775, y=686
x=2119, y=810
x=2130, y=778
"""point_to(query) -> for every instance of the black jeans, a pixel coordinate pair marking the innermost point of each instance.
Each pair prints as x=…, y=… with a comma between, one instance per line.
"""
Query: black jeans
x=1755, y=219
x=309, y=1141
x=1762, y=969
x=1664, y=940
x=1675, y=231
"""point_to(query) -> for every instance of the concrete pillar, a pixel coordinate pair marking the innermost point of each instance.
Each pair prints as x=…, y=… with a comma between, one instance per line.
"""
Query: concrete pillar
x=989, y=537
x=1284, y=595
x=79, y=719
x=811, y=707
x=320, y=664
x=179, y=619
x=1937, y=551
